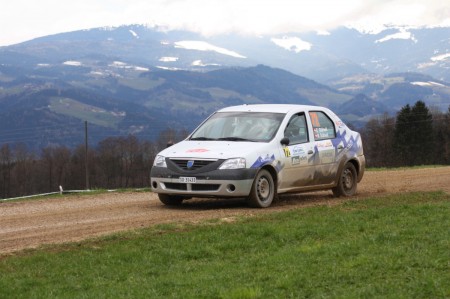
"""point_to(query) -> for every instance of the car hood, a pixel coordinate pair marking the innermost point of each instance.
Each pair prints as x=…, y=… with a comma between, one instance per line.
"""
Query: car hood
x=210, y=149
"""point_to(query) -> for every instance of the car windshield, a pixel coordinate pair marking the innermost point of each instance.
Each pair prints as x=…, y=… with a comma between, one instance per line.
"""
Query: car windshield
x=239, y=126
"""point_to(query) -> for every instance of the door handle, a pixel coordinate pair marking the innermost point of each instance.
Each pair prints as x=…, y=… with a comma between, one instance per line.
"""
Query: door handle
x=340, y=147
x=310, y=152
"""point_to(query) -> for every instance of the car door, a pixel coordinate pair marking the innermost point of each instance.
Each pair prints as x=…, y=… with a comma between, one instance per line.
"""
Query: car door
x=298, y=169
x=324, y=140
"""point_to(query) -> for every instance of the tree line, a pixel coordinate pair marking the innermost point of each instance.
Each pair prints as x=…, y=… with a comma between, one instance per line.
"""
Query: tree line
x=416, y=136
x=117, y=162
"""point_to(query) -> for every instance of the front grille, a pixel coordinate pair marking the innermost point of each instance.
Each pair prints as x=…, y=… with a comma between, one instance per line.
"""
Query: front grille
x=194, y=187
x=176, y=186
x=205, y=187
x=198, y=164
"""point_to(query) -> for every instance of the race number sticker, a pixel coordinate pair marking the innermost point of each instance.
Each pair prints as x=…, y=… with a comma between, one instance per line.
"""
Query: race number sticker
x=287, y=152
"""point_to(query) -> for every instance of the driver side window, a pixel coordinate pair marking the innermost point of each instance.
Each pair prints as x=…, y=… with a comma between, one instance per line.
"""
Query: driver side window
x=296, y=130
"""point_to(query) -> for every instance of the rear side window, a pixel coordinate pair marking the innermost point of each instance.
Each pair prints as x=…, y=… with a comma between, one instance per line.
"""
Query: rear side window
x=323, y=126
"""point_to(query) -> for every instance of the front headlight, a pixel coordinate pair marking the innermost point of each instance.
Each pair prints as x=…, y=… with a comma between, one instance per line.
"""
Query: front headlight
x=160, y=161
x=234, y=163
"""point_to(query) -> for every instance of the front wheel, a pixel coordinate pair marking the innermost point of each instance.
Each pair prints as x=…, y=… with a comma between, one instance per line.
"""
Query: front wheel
x=347, y=182
x=263, y=190
x=170, y=200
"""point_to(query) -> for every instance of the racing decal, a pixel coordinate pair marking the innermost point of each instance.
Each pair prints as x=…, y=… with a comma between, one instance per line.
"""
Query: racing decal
x=197, y=150
x=344, y=149
x=298, y=151
x=299, y=160
x=324, y=144
x=261, y=161
x=352, y=142
x=314, y=119
x=298, y=156
x=287, y=152
x=326, y=156
x=326, y=151
x=321, y=133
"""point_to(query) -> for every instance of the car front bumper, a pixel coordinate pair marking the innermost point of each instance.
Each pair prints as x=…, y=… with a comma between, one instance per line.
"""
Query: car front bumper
x=216, y=183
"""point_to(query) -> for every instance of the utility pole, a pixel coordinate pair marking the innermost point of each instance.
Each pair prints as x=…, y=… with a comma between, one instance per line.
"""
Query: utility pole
x=86, y=163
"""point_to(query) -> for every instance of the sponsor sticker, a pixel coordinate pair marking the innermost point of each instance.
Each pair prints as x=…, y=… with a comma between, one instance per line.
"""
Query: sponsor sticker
x=321, y=133
x=197, y=150
x=298, y=151
x=302, y=160
x=325, y=143
x=326, y=156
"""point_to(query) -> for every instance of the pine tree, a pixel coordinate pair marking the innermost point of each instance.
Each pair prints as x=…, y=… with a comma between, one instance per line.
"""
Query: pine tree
x=413, y=136
x=422, y=130
x=402, y=136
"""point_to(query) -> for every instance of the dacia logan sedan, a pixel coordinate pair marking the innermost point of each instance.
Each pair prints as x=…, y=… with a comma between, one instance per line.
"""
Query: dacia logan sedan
x=260, y=151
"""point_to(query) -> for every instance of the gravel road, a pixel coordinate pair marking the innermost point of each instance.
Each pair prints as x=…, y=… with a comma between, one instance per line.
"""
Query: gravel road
x=29, y=224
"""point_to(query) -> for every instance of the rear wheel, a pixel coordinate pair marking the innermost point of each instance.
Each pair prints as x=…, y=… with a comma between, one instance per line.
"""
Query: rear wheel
x=263, y=190
x=170, y=200
x=347, y=182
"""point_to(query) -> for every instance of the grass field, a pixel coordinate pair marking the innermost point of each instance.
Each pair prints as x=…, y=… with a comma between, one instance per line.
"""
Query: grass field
x=385, y=247
x=92, y=114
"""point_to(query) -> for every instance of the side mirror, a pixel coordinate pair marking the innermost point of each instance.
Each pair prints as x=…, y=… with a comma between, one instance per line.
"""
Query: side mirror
x=285, y=141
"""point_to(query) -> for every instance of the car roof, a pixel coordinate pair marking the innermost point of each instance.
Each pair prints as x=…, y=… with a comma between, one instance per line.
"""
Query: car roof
x=280, y=108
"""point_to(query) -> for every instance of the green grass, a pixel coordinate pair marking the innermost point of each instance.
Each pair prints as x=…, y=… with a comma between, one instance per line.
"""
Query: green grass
x=404, y=168
x=385, y=247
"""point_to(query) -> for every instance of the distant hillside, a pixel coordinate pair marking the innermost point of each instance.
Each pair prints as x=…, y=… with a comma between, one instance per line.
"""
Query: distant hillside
x=397, y=89
x=48, y=104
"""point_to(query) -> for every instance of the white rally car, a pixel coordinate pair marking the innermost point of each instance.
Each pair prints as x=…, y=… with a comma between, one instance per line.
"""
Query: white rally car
x=258, y=152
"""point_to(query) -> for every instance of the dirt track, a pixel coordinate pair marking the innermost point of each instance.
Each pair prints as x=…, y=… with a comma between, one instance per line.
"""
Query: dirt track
x=32, y=223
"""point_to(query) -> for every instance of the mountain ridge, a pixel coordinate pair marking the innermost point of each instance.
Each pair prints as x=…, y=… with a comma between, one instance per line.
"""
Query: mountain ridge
x=341, y=52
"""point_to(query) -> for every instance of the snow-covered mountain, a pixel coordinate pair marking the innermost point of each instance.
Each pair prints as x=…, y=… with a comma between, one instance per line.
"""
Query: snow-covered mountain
x=322, y=56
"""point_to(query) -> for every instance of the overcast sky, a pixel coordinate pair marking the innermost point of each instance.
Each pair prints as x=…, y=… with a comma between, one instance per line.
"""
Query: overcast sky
x=22, y=20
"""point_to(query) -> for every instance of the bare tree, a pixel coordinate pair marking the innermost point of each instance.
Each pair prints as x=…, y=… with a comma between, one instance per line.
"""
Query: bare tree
x=25, y=173
x=6, y=165
x=377, y=139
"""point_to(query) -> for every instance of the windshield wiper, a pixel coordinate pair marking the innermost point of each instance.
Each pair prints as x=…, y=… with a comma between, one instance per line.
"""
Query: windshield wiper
x=235, y=139
x=203, y=138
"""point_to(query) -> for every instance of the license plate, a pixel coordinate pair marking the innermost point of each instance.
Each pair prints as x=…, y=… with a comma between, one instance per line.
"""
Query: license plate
x=185, y=179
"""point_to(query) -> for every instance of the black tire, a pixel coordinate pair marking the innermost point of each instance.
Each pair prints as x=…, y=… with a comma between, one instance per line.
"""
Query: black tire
x=170, y=200
x=263, y=190
x=347, y=182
